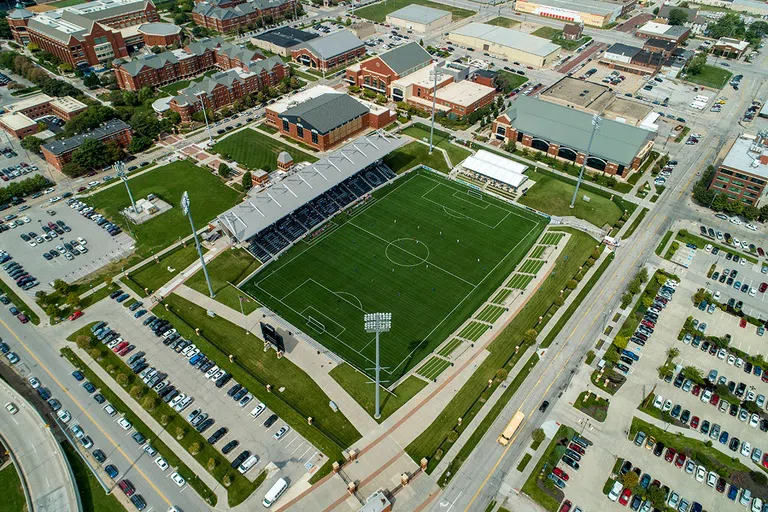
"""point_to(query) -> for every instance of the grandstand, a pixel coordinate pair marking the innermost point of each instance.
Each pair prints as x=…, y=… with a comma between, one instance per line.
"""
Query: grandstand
x=270, y=219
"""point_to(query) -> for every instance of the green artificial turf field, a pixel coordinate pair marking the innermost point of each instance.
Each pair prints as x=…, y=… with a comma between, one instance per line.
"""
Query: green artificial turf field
x=424, y=248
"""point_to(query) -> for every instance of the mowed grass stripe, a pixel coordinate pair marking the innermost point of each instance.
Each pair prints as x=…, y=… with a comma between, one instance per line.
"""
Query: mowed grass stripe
x=538, y=251
x=425, y=250
x=255, y=150
x=531, y=266
x=474, y=330
x=551, y=238
x=490, y=313
x=501, y=296
x=448, y=349
x=433, y=368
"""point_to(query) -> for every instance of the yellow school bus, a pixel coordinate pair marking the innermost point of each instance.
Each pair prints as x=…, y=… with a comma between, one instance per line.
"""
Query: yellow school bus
x=512, y=427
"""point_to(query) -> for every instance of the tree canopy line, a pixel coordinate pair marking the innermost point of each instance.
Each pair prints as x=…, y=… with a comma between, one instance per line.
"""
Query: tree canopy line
x=732, y=25
x=720, y=202
x=23, y=188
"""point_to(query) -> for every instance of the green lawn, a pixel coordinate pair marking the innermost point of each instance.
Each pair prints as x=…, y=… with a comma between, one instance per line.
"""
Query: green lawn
x=175, y=87
x=19, y=303
x=360, y=388
x=208, y=194
x=232, y=267
x=711, y=76
x=379, y=11
x=154, y=275
x=92, y=495
x=501, y=21
x=508, y=82
x=550, y=457
x=306, y=76
x=330, y=431
x=440, y=139
x=13, y=494
x=255, y=150
x=267, y=128
x=424, y=250
x=556, y=36
x=663, y=242
x=415, y=153
x=546, y=32
x=635, y=223
x=553, y=196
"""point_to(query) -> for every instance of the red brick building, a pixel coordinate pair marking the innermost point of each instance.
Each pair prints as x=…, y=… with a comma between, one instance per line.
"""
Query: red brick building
x=19, y=118
x=329, y=52
x=59, y=152
x=378, y=73
x=223, y=89
x=231, y=15
x=87, y=34
x=160, y=34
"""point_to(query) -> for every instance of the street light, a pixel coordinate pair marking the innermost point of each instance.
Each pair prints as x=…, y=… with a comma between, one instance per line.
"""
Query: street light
x=378, y=323
x=596, y=122
x=188, y=213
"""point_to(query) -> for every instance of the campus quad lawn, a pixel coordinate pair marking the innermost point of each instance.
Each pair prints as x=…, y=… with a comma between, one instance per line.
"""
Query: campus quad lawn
x=208, y=194
x=553, y=196
x=424, y=249
x=13, y=495
x=154, y=275
x=231, y=266
x=255, y=150
x=413, y=154
x=378, y=12
x=175, y=87
x=501, y=21
x=440, y=139
x=711, y=76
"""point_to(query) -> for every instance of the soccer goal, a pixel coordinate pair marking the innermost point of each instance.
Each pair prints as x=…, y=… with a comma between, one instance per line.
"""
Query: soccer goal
x=475, y=193
x=315, y=324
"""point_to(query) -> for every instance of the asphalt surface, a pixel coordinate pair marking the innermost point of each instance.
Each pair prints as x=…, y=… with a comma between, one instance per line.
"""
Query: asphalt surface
x=41, y=459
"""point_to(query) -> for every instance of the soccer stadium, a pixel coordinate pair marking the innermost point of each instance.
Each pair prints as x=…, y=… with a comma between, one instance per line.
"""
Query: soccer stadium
x=424, y=248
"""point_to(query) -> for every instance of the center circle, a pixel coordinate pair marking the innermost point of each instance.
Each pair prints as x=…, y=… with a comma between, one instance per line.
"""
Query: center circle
x=407, y=252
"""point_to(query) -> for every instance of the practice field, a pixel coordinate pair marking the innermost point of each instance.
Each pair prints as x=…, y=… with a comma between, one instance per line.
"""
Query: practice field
x=255, y=150
x=378, y=12
x=428, y=250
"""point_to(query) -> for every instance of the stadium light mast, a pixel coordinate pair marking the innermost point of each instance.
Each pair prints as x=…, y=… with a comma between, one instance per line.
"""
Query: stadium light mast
x=121, y=174
x=378, y=323
x=188, y=213
x=596, y=123
x=435, y=73
x=205, y=115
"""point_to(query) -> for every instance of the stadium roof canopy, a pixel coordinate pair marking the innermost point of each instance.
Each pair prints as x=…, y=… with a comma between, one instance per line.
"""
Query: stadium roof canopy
x=496, y=167
x=268, y=205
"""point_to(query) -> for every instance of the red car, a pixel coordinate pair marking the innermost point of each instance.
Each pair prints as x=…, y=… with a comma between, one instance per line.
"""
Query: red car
x=655, y=483
x=670, y=455
x=625, y=495
x=566, y=506
x=763, y=287
x=720, y=487
x=765, y=460
x=680, y=460
x=74, y=316
x=715, y=399
x=127, y=487
x=23, y=318
x=577, y=448
x=120, y=346
x=760, y=251
x=648, y=323
x=561, y=474
x=764, y=377
x=743, y=323
x=125, y=350
x=696, y=390
x=695, y=422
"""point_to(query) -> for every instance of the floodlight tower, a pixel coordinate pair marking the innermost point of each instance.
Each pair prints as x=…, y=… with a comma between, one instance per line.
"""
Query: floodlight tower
x=596, y=123
x=378, y=323
x=205, y=115
x=121, y=174
x=188, y=213
x=435, y=73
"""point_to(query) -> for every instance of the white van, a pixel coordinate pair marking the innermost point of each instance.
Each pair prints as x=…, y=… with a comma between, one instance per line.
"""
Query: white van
x=248, y=464
x=614, y=494
x=701, y=98
x=275, y=492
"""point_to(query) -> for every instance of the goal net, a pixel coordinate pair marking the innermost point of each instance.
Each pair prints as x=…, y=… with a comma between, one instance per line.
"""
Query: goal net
x=315, y=324
x=475, y=193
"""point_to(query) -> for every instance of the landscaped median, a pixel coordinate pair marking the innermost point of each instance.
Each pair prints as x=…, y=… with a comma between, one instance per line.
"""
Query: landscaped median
x=20, y=304
x=687, y=238
x=540, y=488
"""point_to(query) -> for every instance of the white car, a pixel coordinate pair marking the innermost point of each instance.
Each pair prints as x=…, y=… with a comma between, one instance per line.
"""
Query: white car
x=188, y=349
x=757, y=505
x=667, y=406
x=751, y=226
x=731, y=360
x=34, y=382
x=760, y=400
x=706, y=395
x=716, y=296
x=161, y=463
x=712, y=479
x=81, y=240
x=178, y=479
x=735, y=220
x=54, y=199
x=64, y=415
x=124, y=423
x=11, y=408
x=193, y=353
x=754, y=420
x=752, y=292
x=750, y=396
x=178, y=399
x=658, y=401
x=210, y=373
x=721, y=354
x=26, y=220
x=746, y=449
x=701, y=474
x=49, y=190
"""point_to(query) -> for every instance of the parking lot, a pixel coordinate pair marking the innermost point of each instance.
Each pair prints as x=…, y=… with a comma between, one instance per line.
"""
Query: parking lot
x=291, y=456
x=102, y=248
x=9, y=162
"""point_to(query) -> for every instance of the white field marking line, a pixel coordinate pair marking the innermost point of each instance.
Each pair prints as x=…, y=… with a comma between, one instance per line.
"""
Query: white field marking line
x=482, y=199
x=446, y=208
x=306, y=317
x=411, y=254
x=359, y=302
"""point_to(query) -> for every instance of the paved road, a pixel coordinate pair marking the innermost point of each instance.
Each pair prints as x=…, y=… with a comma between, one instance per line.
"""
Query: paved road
x=40, y=456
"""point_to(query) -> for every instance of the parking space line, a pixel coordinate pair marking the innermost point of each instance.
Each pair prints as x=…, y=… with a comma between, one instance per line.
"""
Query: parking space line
x=298, y=447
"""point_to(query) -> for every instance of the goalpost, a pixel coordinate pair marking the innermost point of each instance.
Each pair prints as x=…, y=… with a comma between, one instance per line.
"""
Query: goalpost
x=315, y=324
x=475, y=193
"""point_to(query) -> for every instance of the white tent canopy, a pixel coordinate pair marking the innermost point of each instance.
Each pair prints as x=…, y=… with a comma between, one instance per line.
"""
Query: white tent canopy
x=496, y=167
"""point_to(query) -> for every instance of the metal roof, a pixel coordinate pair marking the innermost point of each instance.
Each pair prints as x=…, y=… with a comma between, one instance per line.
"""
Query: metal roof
x=508, y=37
x=496, y=167
x=160, y=29
x=325, y=113
x=263, y=207
x=333, y=45
x=59, y=147
x=623, y=49
x=406, y=58
x=419, y=14
x=286, y=37
x=614, y=141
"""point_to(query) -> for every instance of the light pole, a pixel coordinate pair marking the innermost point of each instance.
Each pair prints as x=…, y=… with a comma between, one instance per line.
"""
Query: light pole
x=205, y=115
x=436, y=73
x=378, y=323
x=596, y=122
x=188, y=213
x=124, y=178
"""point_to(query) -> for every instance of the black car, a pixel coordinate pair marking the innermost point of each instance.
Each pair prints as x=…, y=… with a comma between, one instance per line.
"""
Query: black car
x=115, y=294
x=734, y=444
x=658, y=449
x=240, y=394
x=217, y=435
x=99, y=398
x=230, y=446
x=221, y=382
x=679, y=380
x=240, y=458
x=99, y=456
x=205, y=425
x=570, y=462
x=234, y=389
x=733, y=410
x=543, y=406
x=270, y=421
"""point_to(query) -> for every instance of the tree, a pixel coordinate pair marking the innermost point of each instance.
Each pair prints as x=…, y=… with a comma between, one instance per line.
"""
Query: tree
x=212, y=463
x=634, y=286
x=180, y=433
x=165, y=420
x=139, y=143
x=538, y=435
x=696, y=65
x=5, y=29
x=95, y=354
x=673, y=353
x=32, y=143
x=529, y=337
x=226, y=480
x=122, y=379
x=656, y=495
x=84, y=342
x=90, y=154
x=136, y=392
x=224, y=170
x=643, y=275
x=677, y=17
x=247, y=180
x=194, y=448
x=630, y=479
x=61, y=287
x=91, y=81
x=694, y=374
x=149, y=403
x=73, y=299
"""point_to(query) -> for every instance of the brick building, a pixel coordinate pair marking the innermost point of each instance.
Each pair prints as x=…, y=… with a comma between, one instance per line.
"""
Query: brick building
x=59, y=152
x=329, y=52
x=20, y=118
x=743, y=173
x=188, y=62
x=322, y=117
x=88, y=34
x=223, y=89
x=652, y=29
x=563, y=132
x=160, y=34
x=378, y=73
x=231, y=15
x=631, y=59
